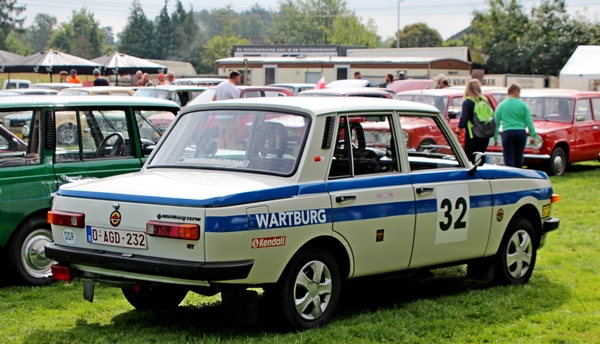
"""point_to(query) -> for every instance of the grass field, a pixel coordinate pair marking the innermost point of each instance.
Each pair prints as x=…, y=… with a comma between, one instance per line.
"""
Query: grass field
x=561, y=303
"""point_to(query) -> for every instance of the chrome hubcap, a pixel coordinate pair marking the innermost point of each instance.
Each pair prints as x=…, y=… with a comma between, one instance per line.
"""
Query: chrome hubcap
x=313, y=290
x=33, y=253
x=519, y=254
x=558, y=163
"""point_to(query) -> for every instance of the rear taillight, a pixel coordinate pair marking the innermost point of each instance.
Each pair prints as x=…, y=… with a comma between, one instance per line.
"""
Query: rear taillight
x=63, y=218
x=186, y=231
x=61, y=273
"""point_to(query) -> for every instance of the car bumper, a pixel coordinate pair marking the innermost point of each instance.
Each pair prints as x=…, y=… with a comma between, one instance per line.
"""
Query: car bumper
x=549, y=225
x=218, y=271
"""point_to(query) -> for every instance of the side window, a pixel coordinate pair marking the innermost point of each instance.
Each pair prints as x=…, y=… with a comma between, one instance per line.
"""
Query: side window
x=175, y=97
x=365, y=145
x=20, y=138
x=596, y=107
x=252, y=94
x=274, y=94
x=67, y=127
x=583, y=111
x=455, y=107
x=151, y=126
x=427, y=144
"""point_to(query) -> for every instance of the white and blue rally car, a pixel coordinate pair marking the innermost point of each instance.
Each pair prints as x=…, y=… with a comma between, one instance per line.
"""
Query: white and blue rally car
x=296, y=196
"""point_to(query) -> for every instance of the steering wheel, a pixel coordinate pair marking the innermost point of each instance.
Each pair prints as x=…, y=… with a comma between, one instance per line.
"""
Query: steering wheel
x=117, y=148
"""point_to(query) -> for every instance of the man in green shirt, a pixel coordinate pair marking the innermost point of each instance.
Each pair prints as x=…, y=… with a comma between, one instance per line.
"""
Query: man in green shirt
x=514, y=116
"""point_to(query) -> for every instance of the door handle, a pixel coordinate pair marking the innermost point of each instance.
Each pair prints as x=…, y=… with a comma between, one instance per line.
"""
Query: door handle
x=423, y=190
x=67, y=179
x=341, y=199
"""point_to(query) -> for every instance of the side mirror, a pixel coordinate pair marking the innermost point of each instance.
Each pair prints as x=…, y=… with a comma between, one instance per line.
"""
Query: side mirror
x=453, y=113
x=479, y=160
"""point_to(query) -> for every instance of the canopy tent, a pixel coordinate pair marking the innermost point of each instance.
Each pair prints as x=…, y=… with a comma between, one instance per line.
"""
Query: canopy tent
x=119, y=63
x=6, y=56
x=582, y=70
x=50, y=62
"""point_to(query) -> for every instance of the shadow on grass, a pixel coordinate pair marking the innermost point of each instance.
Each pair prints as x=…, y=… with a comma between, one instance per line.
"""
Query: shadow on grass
x=360, y=298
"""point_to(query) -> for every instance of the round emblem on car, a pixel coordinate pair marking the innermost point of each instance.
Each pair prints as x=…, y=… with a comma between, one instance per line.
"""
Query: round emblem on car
x=500, y=215
x=115, y=218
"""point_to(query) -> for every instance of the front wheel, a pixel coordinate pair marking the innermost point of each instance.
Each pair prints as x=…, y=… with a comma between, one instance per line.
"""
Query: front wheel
x=516, y=257
x=309, y=290
x=557, y=165
x=154, y=298
x=27, y=252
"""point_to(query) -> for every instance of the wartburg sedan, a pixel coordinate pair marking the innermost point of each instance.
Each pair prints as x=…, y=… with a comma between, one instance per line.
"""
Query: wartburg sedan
x=108, y=136
x=297, y=202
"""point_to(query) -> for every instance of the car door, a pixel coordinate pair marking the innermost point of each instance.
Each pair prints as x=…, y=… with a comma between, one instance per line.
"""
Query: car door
x=26, y=176
x=596, y=125
x=453, y=205
x=586, y=131
x=101, y=144
x=372, y=201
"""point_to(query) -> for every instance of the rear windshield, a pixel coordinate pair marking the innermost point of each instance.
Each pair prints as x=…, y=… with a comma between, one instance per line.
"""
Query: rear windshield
x=550, y=109
x=440, y=102
x=252, y=141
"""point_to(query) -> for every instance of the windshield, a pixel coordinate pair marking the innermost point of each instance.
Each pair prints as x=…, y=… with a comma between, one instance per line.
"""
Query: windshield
x=440, y=102
x=151, y=93
x=204, y=97
x=243, y=140
x=550, y=109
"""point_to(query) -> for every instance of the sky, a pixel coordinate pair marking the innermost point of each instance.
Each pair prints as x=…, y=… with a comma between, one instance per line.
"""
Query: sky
x=448, y=17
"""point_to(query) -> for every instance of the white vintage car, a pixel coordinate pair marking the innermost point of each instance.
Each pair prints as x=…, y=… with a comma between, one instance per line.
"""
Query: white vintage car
x=290, y=195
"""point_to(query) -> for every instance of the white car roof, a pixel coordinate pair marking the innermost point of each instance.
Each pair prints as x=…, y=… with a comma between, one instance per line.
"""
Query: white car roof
x=318, y=105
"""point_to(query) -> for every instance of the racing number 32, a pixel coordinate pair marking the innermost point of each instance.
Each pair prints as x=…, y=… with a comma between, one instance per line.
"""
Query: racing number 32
x=446, y=206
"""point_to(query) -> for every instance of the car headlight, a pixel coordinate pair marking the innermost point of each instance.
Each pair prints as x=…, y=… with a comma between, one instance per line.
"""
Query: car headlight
x=538, y=142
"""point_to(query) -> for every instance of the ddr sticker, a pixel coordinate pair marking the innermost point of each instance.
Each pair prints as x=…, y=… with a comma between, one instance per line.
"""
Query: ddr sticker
x=452, y=214
x=499, y=215
x=546, y=211
x=115, y=218
x=69, y=236
x=268, y=242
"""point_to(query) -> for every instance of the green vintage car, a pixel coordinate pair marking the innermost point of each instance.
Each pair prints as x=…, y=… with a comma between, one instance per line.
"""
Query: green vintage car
x=110, y=135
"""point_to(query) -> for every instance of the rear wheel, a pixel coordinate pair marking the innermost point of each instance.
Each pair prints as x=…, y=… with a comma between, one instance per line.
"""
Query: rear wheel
x=309, y=290
x=27, y=252
x=154, y=298
x=516, y=257
x=557, y=165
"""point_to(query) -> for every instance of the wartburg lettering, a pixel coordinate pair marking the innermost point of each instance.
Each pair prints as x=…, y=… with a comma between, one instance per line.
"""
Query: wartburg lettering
x=178, y=217
x=268, y=242
x=291, y=218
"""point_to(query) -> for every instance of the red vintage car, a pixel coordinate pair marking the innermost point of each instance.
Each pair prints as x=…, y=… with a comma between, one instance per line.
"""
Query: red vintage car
x=568, y=122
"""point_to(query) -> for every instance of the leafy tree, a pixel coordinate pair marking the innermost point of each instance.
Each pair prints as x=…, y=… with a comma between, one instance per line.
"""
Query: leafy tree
x=418, y=35
x=220, y=47
x=320, y=22
x=162, y=33
x=254, y=22
x=81, y=36
x=17, y=43
x=109, y=36
x=539, y=43
x=40, y=30
x=185, y=34
x=137, y=35
x=9, y=11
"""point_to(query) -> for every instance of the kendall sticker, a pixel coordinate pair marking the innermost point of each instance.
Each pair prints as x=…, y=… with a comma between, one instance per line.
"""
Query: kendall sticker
x=268, y=242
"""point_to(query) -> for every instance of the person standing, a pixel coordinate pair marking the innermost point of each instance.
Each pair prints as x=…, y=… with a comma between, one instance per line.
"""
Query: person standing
x=389, y=79
x=63, y=76
x=98, y=80
x=74, y=79
x=472, y=142
x=357, y=75
x=228, y=123
x=147, y=80
x=401, y=76
x=170, y=78
x=161, y=79
x=514, y=116
x=138, y=77
x=228, y=89
x=439, y=79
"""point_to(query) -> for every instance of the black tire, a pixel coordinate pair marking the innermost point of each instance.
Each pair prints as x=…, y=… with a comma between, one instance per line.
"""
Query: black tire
x=66, y=134
x=424, y=143
x=557, y=165
x=309, y=290
x=155, y=298
x=516, y=257
x=27, y=254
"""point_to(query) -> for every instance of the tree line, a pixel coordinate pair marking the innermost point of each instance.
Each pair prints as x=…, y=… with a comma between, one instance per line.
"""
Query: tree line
x=517, y=41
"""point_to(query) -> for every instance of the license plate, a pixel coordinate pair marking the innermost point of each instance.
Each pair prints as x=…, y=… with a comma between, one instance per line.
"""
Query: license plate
x=121, y=238
x=495, y=159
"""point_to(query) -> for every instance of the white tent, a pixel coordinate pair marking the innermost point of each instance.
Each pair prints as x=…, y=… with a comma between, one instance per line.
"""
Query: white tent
x=582, y=71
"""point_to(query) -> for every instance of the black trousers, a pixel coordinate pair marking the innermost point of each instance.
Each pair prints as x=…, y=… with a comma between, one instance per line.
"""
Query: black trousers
x=475, y=144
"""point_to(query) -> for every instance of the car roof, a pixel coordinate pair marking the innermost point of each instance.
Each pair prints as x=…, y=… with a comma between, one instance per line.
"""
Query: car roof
x=557, y=92
x=102, y=89
x=318, y=105
x=435, y=92
x=32, y=101
x=348, y=91
x=28, y=91
x=292, y=84
x=174, y=87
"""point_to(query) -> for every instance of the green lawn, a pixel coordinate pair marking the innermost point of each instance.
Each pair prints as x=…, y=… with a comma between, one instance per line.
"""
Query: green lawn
x=561, y=303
